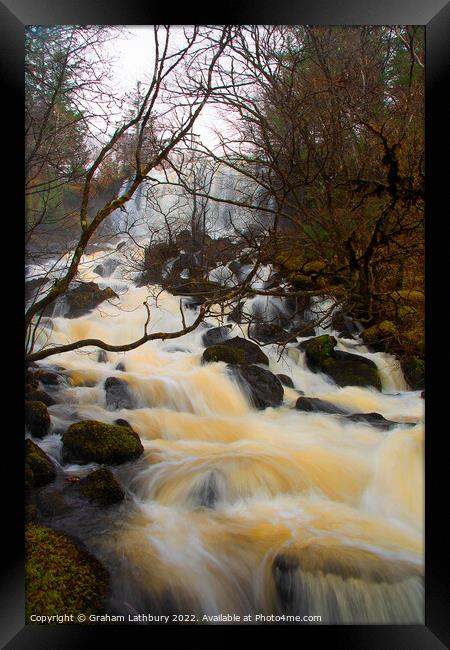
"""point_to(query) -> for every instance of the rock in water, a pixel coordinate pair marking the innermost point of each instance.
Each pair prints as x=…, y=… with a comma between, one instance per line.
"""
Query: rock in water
x=344, y=368
x=101, y=487
x=266, y=333
x=315, y=405
x=235, y=350
x=286, y=380
x=262, y=386
x=216, y=335
x=118, y=395
x=39, y=469
x=92, y=441
x=37, y=418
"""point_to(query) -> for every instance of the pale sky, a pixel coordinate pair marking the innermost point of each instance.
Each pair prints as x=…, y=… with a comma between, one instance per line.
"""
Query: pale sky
x=134, y=61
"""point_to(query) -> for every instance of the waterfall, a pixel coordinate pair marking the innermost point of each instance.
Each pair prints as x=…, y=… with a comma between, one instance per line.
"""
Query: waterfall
x=234, y=510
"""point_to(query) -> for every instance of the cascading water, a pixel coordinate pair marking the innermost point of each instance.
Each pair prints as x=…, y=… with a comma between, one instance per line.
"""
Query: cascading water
x=233, y=510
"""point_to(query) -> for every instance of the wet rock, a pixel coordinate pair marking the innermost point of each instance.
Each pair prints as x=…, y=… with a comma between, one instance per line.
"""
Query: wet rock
x=285, y=574
x=49, y=378
x=262, y=386
x=315, y=405
x=344, y=325
x=266, y=333
x=208, y=493
x=91, y=441
x=286, y=380
x=118, y=395
x=414, y=371
x=374, y=419
x=122, y=423
x=53, y=503
x=37, y=395
x=344, y=368
x=86, y=297
x=39, y=468
x=216, y=335
x=107, y=267
x=37, y=418
x=101, y=487
x=235, y=350
x=61, y=575
x=120, y=366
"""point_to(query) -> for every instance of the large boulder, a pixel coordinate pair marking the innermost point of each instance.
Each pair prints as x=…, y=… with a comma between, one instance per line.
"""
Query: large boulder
x=91, y=441
x=61, y=576
x=118, y=394
x=101, y=487
x=235, y=350
x=216, y=335
x=262, y=386
x=39, y=468
x=86, y=297
x=344, y=368
x=315, y=405
x=37, y=418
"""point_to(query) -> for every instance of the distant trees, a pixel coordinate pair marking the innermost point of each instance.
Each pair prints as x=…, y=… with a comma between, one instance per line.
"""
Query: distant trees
x=325, y=124
x=185, y=70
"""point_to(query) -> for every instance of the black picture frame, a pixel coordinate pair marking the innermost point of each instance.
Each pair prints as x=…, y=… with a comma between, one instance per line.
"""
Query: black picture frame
x=435, y=15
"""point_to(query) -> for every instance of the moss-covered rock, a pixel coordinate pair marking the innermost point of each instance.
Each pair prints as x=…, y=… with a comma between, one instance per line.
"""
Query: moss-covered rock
x=235, y=351
x=101, y=487
x=61, y=576
x=92, y=441
x=39, y=469
x=344, y=368
x=414, y=372
x=381, y=337
x=37, y=418
x=222, y=353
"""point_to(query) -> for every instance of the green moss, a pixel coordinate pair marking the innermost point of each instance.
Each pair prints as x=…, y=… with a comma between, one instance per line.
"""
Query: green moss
x=61, y=577
x=39, y=469
x=409, y=295
x=300, y=281
x=101, y=487
x=223, y=353
x=90, y=440
x=344, y=368
x=315, y=266
x=37, y=418
x=381, y=336
x=320, y=350
x=414, y=371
